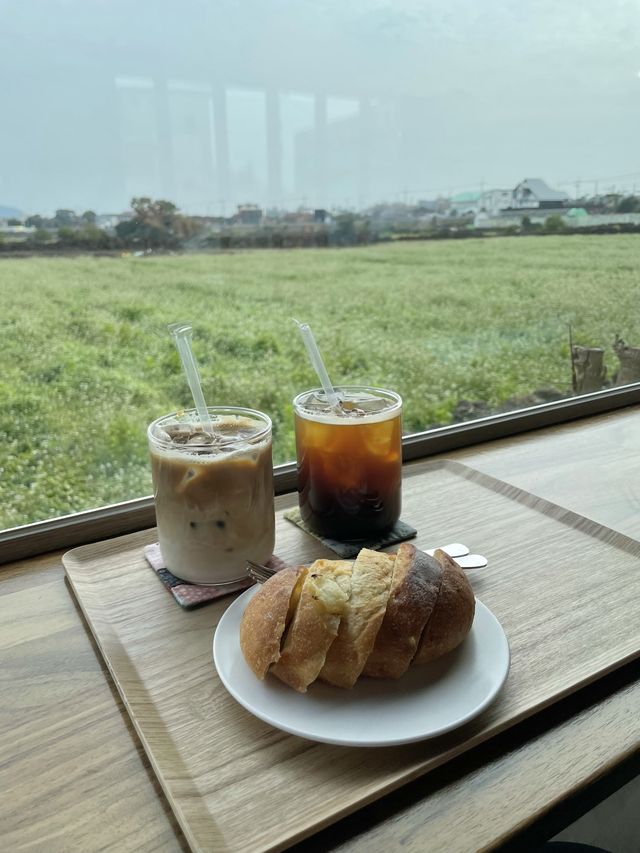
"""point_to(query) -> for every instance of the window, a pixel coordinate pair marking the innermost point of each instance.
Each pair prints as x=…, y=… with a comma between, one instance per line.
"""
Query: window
x=445, y=191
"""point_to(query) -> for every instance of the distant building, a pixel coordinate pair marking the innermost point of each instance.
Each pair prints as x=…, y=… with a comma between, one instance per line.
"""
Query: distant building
x=108, y=221
x=248, y=214
x=321, y=215
x=532, y=198
x=297, y=217
x=392, y=213
x=534, y=193
x=493, y=201
x=466, y=204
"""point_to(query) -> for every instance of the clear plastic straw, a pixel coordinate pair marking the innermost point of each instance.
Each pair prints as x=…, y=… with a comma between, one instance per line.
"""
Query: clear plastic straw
x=181, y=334
x=317, y=362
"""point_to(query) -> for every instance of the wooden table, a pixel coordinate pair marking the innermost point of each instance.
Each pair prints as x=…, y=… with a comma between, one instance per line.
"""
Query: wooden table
x=79, y=780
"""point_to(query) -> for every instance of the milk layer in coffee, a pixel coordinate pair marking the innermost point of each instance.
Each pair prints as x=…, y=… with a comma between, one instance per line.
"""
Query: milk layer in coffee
x=213, y=493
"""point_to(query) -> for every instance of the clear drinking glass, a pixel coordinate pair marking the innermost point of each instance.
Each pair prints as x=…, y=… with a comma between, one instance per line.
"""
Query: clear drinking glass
x=349, y=461
x=213, y=497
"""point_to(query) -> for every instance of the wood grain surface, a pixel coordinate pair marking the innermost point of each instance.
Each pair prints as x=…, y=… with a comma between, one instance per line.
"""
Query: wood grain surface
x=507, y=775
x=73, y=774
x=57, y=699
x=567, y=592
x=591, y=466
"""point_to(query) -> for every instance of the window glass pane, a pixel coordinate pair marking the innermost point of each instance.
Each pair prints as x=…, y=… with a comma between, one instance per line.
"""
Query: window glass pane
x=297, y=122
x=190, y=107
x=138, y=134
x=246, y=122
x=448, y=192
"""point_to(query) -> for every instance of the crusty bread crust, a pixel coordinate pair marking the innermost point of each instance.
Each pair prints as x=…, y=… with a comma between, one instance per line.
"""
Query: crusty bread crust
x=265, y=619
x=414, y=592
x=370, y=585
x=338, y=620
x=452, y=616
x=314, y=627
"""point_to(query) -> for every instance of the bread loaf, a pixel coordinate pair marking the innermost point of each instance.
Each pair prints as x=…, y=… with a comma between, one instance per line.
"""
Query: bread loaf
x=453, y=614
x=337, y=620
x=323, y=598
x=414, y=593
x=265, y=619
x=370, y=583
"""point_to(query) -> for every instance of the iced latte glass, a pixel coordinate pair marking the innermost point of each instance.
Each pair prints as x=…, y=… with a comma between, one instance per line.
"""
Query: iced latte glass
x=349, y=461
x=213, y=494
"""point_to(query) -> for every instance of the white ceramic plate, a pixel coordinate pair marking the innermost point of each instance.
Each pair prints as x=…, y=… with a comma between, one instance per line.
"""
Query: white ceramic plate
x=427, y=701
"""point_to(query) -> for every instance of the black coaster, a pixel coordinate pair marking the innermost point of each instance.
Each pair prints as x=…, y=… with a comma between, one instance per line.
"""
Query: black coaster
x=400, y=532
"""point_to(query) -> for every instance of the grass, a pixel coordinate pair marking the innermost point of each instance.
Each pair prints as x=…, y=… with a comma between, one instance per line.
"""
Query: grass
x=87, y=362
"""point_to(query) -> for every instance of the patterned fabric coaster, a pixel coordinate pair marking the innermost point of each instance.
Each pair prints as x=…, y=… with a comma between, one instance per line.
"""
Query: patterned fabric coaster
x=400, y=532
x=191, y=595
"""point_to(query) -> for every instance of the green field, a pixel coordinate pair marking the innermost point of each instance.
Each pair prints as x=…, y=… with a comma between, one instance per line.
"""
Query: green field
x=87, y=361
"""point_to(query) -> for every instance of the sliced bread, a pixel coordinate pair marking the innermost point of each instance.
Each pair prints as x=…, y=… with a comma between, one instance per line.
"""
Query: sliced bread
x=266, y=618
x=452, y=617
x=414, y=592
x=370, y=585
x=323, y=599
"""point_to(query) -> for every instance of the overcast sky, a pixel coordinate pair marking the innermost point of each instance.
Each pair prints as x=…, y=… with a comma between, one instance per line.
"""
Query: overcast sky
x=318, y=102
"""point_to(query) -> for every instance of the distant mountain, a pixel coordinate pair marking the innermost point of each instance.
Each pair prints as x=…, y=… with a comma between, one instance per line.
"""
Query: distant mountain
x=10, y=213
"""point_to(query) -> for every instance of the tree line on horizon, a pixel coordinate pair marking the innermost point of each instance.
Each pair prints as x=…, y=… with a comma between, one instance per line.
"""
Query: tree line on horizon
x=158, y=224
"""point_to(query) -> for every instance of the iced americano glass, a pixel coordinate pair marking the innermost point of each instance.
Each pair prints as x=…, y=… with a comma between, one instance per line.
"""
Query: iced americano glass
x=213, y=493
x=349, y=461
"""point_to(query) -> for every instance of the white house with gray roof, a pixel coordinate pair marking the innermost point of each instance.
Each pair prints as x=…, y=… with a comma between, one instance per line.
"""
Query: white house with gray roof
x=534, y=193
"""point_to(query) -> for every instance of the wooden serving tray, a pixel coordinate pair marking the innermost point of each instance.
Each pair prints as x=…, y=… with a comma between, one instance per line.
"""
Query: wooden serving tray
x=566, y=590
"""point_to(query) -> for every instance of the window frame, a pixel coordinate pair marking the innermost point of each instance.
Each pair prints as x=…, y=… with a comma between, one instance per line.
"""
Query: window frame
x=130, y=516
